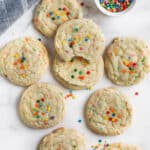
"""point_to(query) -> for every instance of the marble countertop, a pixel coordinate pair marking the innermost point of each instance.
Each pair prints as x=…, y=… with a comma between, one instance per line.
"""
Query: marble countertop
x=14, y=135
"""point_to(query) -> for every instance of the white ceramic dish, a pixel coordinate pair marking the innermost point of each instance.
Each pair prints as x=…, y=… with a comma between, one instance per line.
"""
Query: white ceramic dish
x=108, y=13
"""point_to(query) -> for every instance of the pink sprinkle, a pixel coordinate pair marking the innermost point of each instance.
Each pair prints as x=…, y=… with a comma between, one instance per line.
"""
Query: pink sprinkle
x=81, y=48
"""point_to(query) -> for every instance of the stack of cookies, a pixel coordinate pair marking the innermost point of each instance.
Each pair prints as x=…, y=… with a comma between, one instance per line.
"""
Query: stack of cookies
x=78, y=64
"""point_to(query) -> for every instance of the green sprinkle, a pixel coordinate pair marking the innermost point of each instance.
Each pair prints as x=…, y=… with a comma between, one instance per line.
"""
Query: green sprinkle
x=38, y=117
x=80, y=72
x=59, y=9
x=74, y=146
x=76, y=29
x=23, y=59
x=72, y=60
x=41, y=104
x=39, y=39
x=53, y=18
x=38, y=101
x=75, y=70
x=72, y=76
x=143, y=59
x=130, y=68
x=35, y=109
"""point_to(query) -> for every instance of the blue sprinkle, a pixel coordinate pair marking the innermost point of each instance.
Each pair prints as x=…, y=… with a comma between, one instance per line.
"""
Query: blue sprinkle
x=79, y=120
x=70, y=91
x=113, y=115
x=51, y=13
x=58, y=17
x=70, y=39
x=86, y=39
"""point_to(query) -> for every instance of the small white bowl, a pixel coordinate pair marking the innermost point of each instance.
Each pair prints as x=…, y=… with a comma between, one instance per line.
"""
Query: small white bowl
x=108, y=13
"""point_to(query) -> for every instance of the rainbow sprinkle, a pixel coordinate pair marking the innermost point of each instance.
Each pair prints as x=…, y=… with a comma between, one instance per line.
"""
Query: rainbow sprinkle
x=101, y=145
x=116, y=5
x=70, y=95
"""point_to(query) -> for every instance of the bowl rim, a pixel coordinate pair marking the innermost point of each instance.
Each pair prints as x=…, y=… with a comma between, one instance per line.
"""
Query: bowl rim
x=113, y=14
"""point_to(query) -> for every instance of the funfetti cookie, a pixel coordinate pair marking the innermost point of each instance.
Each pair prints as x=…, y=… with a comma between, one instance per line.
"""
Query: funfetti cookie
x=23, y=61
x=49, y=14
x=63, y=139
x=42, y=106
x=79, y=37
x=78, y=73
x=121, y=146
x=127, y=60
x=108, y=112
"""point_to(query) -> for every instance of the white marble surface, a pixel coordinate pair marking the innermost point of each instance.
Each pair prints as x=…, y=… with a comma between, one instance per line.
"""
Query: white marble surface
x=14, y=135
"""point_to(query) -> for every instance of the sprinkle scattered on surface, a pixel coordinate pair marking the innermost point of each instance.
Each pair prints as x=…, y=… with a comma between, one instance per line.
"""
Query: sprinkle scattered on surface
x=70, y=95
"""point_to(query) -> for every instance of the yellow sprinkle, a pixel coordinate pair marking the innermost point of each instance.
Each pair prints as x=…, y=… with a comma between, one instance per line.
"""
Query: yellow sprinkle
x=63, y=13
x=25, y=67
x=75, y=38
x=56, y=12
x=126, y=62
x=75, y=41
x=91, y=88
x=116, y=51
x=64, y=18
x=105, y=117
x=24, y=75
x=74, y=97
x=16, y=55
x=48, y=108
x=46, y=120
x=80, y=38
x=113, y=119
x=63, y=42
x=88, y=35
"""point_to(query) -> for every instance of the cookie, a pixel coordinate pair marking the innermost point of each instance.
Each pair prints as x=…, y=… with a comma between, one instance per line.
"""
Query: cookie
x=108, y=112
x=79, y=37
x=63, y=139
x=23, y=61
x=121, y=146
x=42, y=106
x=127, y=60
x=49, y=14
x=78, y=73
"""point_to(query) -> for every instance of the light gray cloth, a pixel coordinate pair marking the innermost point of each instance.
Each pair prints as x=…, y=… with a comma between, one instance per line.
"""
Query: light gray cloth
x=11, y=10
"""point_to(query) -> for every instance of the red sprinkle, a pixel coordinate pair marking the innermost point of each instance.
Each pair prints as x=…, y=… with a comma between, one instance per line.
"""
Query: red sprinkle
x=82, y=3
x=88, y=72
x=68, y=13
x=81, y=48
x=136, y=93
x=64, y=9
x=42, y=99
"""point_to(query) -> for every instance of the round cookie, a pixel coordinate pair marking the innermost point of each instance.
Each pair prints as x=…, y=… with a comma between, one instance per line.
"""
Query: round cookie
x=24, y=61
x=121, y=146
x=49, y=14
x=42, y=106
x=127, y=60
x=63, y=139
x=78, y=74
x=79, y=37
x=108, y=112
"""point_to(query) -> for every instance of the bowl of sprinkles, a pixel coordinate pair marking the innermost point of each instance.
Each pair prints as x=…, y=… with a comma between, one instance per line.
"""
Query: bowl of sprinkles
x=115, y=7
